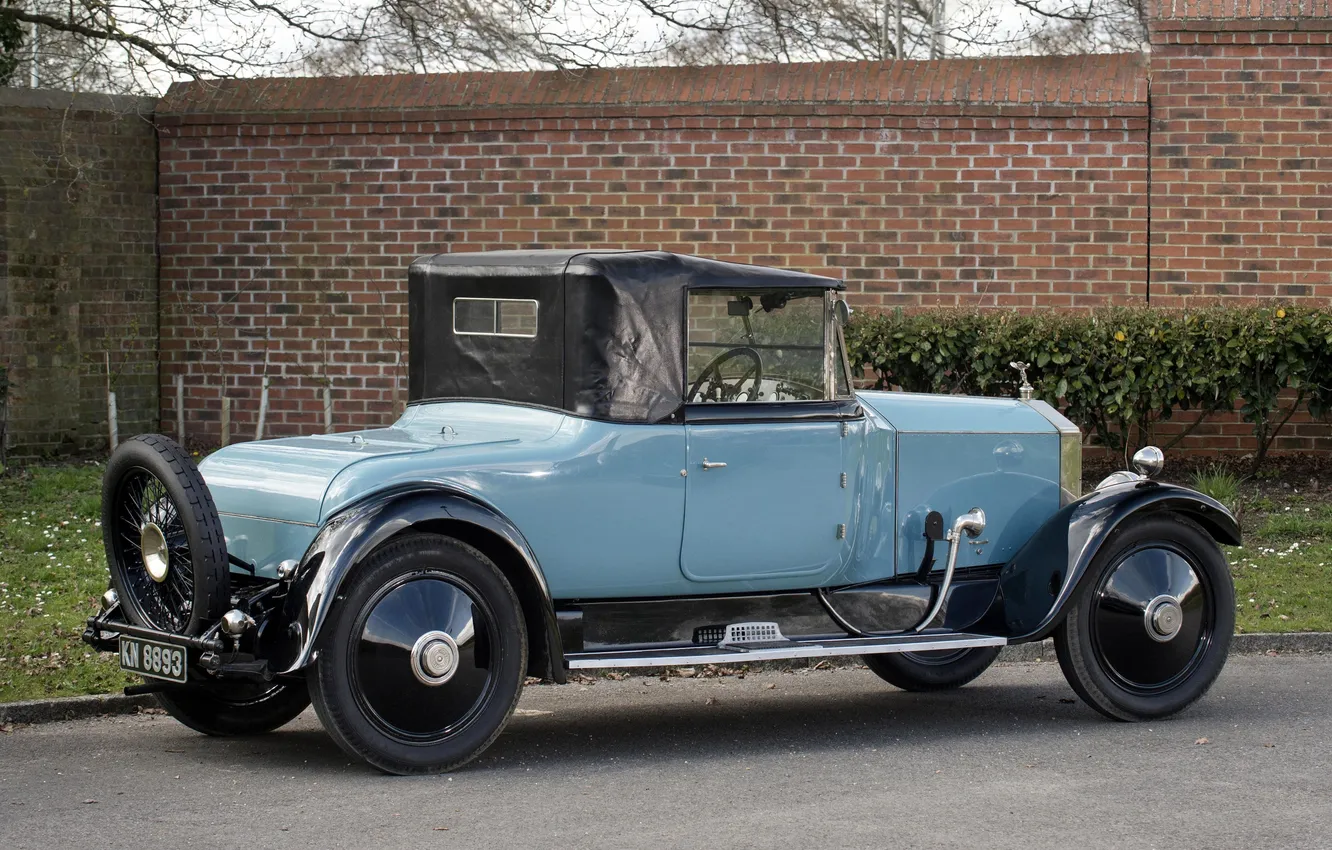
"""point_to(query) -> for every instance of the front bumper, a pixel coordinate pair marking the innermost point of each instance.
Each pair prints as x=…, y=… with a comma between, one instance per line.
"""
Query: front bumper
x=103, y=634
x=211, y=656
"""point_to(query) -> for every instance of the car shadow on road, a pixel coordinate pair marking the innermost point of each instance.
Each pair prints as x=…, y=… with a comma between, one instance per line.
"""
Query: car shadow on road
x=699, y=726
x=733, y=725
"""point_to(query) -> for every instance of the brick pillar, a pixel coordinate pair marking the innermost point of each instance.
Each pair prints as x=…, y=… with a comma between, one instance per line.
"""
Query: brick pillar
x=1241, y=182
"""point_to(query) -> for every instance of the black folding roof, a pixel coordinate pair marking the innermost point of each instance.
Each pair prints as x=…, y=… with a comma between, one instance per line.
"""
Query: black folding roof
x=704, y=273
x=610, y=338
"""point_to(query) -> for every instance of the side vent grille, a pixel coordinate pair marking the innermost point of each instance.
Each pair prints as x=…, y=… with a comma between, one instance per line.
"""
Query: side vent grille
x=743, y=634
x=739, y=634
x=709, y=635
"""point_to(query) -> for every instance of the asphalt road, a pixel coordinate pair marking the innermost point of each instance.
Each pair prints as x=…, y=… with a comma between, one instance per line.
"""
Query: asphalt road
x=812, y=759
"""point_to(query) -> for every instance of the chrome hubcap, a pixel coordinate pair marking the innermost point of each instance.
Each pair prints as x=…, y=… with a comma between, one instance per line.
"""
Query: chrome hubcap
x=434, y=658
x=153, y=545
x=1164, y=618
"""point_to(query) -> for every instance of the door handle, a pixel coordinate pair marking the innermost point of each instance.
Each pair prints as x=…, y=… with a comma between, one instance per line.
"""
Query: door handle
x=711, y=465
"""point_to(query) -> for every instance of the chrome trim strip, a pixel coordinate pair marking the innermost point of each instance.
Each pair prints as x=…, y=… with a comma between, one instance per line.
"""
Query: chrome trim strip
x=993, y=433
x=812, y=649
x=1070, y=451
x=269, y=519
x=836, y=617
x=829, y=333
x=1054, y=417
x=495, y=302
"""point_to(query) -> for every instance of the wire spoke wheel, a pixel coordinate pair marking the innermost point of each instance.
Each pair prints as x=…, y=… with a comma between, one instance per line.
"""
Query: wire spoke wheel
x=230, y=707
x=932, y=670
x=936, y=657
x=158, y=575
x=164, y=542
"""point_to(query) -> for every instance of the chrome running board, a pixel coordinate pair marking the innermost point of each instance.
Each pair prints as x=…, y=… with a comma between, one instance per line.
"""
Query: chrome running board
x=797, y=648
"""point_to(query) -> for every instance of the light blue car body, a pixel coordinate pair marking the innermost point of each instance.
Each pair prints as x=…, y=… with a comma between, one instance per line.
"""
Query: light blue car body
x=616, y=510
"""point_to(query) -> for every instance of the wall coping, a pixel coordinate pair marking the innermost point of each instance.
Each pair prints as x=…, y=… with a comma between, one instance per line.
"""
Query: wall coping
x=1062, y=86
x=1212, y=16
x=78, y=101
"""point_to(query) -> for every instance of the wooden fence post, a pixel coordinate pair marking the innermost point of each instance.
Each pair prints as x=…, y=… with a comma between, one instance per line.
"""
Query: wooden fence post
x=114, y=431
x=263, y=410
x=180, y=409
x=226, y=420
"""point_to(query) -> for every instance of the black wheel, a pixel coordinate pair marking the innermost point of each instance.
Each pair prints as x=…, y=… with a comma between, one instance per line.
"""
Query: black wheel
x=1150, y=634
x=936, y=670
x=423, y=659
x=164, y=543
x=231, y=708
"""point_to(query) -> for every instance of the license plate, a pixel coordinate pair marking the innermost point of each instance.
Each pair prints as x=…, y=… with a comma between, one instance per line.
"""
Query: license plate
x=149, y=658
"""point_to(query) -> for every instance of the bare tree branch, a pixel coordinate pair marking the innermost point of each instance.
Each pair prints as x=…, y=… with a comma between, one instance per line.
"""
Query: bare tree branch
x=140, y=45
x=105, y=34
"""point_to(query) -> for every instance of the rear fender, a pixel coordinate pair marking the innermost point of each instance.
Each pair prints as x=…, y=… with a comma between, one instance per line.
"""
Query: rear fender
x=351, y=535
x=1047, y=574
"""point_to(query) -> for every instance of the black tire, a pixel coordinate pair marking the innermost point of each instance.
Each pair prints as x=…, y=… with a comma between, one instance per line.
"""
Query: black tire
x=369, y=690
x=150, y=480
x=229, y=709
x=1115, y=652
x=938, y=670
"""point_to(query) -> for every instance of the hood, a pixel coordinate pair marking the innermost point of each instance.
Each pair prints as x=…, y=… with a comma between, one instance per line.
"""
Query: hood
x=942, y=414
x=288, y=479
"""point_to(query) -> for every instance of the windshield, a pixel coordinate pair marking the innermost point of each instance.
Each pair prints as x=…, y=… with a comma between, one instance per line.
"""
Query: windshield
x=757, y=346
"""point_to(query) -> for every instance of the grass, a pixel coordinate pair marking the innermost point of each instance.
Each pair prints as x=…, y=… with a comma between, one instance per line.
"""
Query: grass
x=1221, y=484
x=1283, y=575
x=53, y=571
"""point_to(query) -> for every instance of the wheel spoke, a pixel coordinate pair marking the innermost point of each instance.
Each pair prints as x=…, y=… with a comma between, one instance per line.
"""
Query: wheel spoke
x=133, y=544
x=170, y=522
x=143, y=499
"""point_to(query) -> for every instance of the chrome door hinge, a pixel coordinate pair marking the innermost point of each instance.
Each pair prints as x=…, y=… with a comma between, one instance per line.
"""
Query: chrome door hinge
x=846, y=429
x=841, y=531
x=843, y=480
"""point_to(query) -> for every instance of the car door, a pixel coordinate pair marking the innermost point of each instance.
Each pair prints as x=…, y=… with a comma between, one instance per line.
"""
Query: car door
x=764, y=494
x=762, y=499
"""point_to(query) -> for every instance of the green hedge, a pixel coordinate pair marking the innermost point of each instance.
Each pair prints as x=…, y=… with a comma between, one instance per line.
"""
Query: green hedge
x=1115, y=372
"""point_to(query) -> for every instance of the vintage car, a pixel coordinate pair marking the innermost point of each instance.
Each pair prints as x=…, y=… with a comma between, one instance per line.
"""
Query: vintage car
x=620, y=459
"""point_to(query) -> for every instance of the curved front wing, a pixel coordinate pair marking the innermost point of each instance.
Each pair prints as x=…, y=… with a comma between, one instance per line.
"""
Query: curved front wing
x=1044, y=577
x=353, y=534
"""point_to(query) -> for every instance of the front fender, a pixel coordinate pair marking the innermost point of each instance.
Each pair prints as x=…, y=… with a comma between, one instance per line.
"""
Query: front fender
x=352, y=534
x=1038, y=584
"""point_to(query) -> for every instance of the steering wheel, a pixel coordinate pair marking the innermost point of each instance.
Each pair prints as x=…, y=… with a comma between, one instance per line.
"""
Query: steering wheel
x=719, y=389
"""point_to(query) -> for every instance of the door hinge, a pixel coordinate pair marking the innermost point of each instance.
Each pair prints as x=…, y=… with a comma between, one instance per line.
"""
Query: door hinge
x=841, y=531
x=846, y=429
x=843, y=480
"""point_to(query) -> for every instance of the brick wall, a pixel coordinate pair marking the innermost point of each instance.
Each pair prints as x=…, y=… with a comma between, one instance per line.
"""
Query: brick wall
x=78, y=268
x=291, y=209
x=1241, y=193
x=1241, y=143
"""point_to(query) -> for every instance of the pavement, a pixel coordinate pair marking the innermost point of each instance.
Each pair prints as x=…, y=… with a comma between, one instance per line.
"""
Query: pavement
x=805, y=759
x=94, y=705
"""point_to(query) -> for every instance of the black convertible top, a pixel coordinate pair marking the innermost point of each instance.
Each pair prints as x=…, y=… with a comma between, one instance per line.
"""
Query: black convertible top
x=610, y=327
